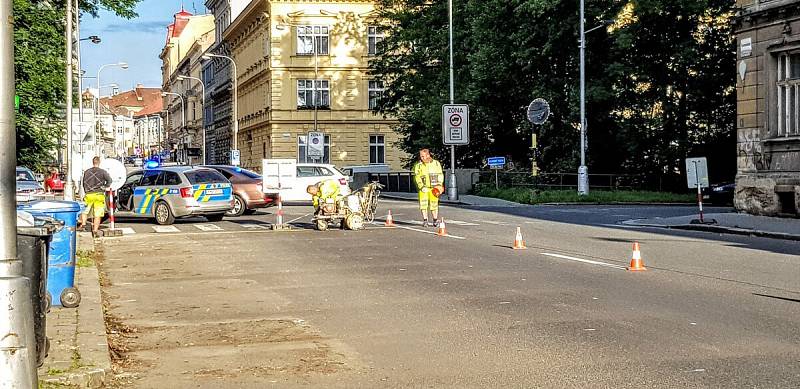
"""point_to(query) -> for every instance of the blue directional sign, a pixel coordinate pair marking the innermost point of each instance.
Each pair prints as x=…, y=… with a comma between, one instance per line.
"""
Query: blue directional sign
x=496, y=161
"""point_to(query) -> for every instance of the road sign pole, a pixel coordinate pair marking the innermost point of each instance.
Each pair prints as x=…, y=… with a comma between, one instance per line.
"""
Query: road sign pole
x=699, y=191
x=17, y=343
x=497, y=179
x=452, y=186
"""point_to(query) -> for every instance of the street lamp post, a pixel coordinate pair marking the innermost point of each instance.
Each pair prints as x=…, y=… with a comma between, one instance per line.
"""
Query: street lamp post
x=583, y=170
x=123, y=65
x=183, y=106
x=202, y=127
x=452, y=187
x=18, y=355
x=234, y=98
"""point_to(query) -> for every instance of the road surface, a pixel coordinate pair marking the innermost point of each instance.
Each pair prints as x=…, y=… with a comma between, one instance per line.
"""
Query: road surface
x=233, y=304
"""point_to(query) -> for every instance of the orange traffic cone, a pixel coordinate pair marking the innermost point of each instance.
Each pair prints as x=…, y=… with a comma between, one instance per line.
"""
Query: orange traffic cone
x=442, y=230
x=389, y=220
x=519, y=243
x=637, y=264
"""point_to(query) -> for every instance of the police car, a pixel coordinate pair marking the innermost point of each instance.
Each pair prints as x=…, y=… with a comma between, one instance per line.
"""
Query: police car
x=169, y=192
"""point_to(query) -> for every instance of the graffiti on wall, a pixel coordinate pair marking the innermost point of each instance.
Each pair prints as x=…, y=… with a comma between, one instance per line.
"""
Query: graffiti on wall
x=751, y=151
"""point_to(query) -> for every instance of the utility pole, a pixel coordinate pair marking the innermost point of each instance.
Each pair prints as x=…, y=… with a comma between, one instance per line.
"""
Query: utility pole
x=583, y=171
x=17, y=342
x=69, y=188
x=452, y=187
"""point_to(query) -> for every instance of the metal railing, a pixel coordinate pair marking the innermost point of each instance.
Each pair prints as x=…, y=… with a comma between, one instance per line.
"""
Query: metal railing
x=566, y=181
x=395, y=181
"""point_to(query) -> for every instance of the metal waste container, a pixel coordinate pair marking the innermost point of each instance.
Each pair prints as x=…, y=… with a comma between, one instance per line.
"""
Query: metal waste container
x=61, y=259
x=33, y=244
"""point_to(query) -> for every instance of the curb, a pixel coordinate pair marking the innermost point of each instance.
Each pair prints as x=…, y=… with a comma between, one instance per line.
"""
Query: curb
x=622, y=203
x=723, y=230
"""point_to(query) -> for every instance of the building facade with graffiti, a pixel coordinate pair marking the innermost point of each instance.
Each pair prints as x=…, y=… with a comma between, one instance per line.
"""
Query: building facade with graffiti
x=768, y=107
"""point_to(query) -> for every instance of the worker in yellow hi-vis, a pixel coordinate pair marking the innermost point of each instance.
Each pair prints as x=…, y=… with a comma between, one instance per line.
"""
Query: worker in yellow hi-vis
x=429, y=177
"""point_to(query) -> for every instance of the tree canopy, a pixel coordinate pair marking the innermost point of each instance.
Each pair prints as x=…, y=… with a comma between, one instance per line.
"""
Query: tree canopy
x=660, y=80
x=39, y=64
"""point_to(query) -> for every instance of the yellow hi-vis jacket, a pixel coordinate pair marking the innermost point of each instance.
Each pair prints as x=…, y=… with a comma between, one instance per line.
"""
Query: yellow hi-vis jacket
x=428, y=175
x=327, y=189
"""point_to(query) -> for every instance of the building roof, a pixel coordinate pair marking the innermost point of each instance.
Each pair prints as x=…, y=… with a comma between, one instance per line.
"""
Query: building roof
x=140, y=101
x=181, y=19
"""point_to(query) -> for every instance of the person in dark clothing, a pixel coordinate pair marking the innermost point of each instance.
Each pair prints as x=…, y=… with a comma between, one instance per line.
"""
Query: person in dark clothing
x=95, y=182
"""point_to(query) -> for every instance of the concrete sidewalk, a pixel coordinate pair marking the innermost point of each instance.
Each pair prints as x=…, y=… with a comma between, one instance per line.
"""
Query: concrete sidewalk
x=469, y=200
x=78, y=354
x=730, y=223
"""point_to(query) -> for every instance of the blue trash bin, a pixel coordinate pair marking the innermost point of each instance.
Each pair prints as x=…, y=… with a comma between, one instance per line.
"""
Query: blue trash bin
x=61, y=258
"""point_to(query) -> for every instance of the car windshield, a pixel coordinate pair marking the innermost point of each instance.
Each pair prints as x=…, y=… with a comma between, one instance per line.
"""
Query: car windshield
x=24, y=175
x=205, y=176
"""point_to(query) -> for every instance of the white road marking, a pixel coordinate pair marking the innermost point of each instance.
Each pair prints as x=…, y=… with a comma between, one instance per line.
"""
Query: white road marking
x=298, y=218
x=166, y=229
x=208, y=227
x=254, y=226
x=431, y=232
x=460, y=223
x=589, y=261
x=126, y=230
x=491, y=222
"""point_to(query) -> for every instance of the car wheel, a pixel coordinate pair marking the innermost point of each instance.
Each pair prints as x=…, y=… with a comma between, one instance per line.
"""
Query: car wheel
x=217, y=217
x=322, y=225
x=164, y=214
x=239, y=207
x=70, y=298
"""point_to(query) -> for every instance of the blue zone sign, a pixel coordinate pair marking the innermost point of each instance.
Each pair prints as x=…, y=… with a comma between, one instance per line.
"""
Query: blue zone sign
x=496, y=161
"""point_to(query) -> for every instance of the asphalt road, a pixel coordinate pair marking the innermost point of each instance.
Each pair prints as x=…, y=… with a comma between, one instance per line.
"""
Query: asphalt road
x=232, y=304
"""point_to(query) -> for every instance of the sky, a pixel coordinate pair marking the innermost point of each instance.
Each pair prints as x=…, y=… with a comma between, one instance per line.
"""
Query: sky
x=136, y=41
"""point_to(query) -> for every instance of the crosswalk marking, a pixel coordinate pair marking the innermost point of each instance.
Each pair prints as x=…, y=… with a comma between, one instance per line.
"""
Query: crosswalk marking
x=166, y=229
x=254, y=226
x=208, y=227
x=127, y=230
x=492, y=222
x=460, y=223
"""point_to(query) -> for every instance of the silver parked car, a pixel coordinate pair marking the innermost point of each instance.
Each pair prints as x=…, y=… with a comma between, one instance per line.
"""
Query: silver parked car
x=26, y=182
x=167, y=193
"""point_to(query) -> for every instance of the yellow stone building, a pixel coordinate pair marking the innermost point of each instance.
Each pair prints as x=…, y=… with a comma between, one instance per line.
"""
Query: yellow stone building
x=287, y=52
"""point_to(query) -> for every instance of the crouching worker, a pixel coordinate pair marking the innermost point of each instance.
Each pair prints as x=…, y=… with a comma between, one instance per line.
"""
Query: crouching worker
x=322, y=191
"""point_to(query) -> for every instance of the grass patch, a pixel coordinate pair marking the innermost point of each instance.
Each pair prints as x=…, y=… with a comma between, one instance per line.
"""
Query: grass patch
x=84, y=258
x=531, y=196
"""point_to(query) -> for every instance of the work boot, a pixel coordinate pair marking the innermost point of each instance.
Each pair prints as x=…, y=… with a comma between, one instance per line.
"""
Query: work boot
x=437, y=223
x=425, y=223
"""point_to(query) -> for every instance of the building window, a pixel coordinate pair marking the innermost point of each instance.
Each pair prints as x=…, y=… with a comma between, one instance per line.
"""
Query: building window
x=377, y=149
x=305, y=94
x=302, y=150
x=374, y=40
x=788, y=88
x=307, y=35
x=375, y=92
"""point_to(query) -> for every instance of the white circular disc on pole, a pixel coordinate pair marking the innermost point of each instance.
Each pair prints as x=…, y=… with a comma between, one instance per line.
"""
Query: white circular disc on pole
x=116, y=170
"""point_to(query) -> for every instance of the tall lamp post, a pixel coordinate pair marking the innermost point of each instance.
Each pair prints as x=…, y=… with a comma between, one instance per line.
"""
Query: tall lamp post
x=202, y=127
x=123, y=65
x=183, y=106
x=234, y=98
x=18, y=355
x=96, y=40
x=583, y=170
x=452, y=187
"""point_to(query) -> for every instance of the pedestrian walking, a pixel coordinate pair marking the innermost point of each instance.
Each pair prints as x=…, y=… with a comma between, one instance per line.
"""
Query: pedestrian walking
x=95, y=183
x=429, y=177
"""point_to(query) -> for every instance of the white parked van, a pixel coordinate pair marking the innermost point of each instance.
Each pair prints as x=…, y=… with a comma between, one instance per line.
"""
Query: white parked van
x=291, y=179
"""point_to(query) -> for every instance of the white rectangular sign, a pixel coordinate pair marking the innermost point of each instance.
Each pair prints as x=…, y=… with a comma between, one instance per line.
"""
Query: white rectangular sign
x=697, y=172
x=455, y=124
x=236, y=158
x=278, y=174
x=315, y=145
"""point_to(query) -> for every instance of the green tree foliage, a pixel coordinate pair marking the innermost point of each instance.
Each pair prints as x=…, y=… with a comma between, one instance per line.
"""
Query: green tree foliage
x=39, y=60
x=660, y=80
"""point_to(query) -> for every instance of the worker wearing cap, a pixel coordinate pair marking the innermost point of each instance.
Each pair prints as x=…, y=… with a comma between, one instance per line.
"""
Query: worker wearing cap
x=323, y=190
x=428, y=175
